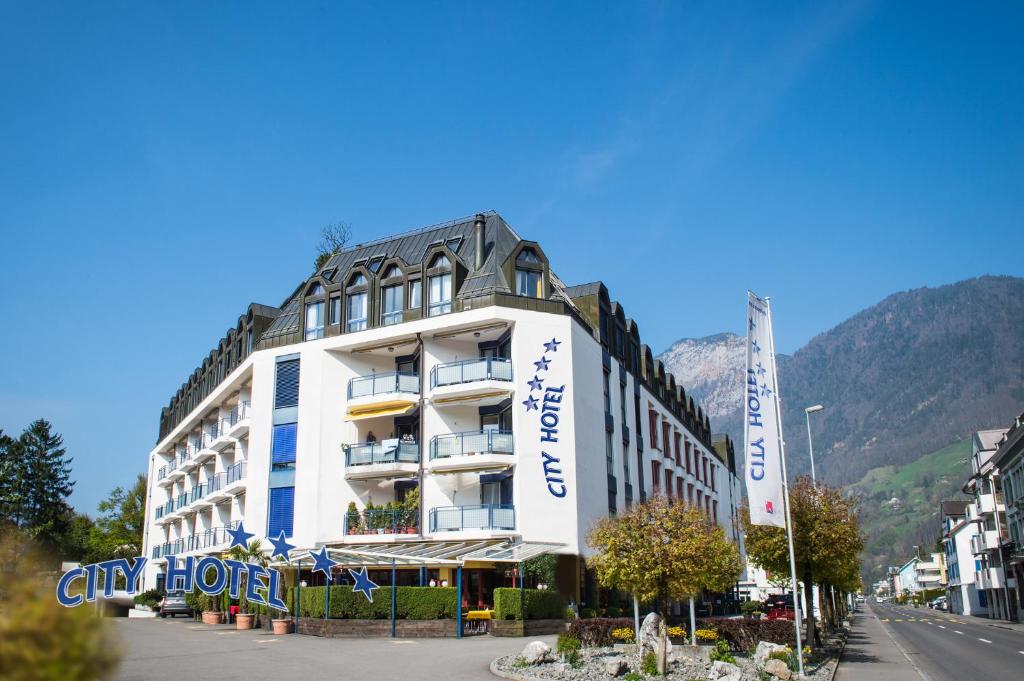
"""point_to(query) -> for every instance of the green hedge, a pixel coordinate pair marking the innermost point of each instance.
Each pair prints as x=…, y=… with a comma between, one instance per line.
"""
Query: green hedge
x=540, y=605
x=414, y=603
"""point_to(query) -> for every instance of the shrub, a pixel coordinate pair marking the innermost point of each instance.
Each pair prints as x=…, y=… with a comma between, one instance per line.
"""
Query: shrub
x=597, y=631
x=632, y=676
x=721, y=652
x=588, y=613
x=570, y=614
x=413, y=603
x=649, y=664
x=676, y=632
x=750, y=607
x=613, y=611
x=706, y=635
x=742, y=634
x=540, y=604
x=568, y=648
x=149, y=598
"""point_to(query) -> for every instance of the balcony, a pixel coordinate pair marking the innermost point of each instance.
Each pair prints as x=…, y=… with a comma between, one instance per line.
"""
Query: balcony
x=474, y=450
x=225, y=484
x=382, y=521
x=387, y=459
x=989, y=504
x=480, y=382
x=162, y=474
x=232, y=427
x=387, y=394
x=483, y=517
x=990, y=578
x=985, y=540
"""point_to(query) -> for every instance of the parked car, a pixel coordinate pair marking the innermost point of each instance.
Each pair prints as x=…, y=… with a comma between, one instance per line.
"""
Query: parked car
x=937, y=603
x=174, y=604
x=781, y=612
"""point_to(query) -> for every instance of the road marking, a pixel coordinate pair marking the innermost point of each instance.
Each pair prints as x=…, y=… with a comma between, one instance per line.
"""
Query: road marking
x=984, y=640
x=958, y=632
x=885, y=619
x=1021, y=652
x=226, y=633
x=268, y=640
x=899, y=620
x=941, y=627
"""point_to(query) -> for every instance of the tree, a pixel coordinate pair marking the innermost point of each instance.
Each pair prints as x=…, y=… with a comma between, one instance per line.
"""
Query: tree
x=253, y=553
x=826, y=542
x=75, y=543
x=117, y=532
x=12, y=481
x=333, y=239
x=662, y=551
x=44, y=482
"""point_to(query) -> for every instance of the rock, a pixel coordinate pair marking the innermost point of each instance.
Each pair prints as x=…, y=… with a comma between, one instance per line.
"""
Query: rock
x=764, y=649
x=536, y=652
x=616, y=666
x=649, y=635
x=778, y=669
x=724, y=671
x=696, y=653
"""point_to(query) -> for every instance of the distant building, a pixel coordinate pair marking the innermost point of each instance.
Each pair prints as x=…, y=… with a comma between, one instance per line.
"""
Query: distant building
x=959, y=527
x=1009, y=460
x=931, y=572
x=985, y=486
x=906, y=577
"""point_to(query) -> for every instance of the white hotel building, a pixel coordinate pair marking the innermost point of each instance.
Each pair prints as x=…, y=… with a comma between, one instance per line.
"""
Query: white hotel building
x=448, y=360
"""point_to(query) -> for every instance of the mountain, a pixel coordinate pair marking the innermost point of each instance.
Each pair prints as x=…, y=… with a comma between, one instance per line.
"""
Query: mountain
x=899, y=380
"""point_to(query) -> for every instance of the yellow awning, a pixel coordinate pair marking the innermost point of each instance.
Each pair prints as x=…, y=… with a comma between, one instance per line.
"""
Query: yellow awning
x=372, y=411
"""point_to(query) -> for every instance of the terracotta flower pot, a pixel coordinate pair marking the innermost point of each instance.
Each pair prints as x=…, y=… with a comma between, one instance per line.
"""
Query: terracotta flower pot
x=243, y=621
x=283, y=626
x=212, y=617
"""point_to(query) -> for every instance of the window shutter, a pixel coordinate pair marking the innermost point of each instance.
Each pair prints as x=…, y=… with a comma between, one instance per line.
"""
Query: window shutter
x=283, y=445
x=286, y=388
x=281, y=513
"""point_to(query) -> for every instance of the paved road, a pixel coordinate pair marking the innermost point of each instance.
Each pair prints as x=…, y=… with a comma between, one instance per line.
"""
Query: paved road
x=158, y=650
x=944, y=647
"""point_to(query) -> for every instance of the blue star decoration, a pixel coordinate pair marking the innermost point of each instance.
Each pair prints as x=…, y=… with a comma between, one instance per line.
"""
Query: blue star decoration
x=535, y=384
x=765, y=390
x=323, y=562
x=281, y=546
x=239, y=537
x=552, y=345
x=363, y=583
x=761, y=371
x=530, y=402
x=757, y=348
x=542, y=364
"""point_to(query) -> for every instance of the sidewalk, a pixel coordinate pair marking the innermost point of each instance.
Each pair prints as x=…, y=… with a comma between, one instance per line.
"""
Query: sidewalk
x=871, y=654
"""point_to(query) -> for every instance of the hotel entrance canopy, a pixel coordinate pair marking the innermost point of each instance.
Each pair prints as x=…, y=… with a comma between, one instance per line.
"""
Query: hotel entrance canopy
x=433, y=553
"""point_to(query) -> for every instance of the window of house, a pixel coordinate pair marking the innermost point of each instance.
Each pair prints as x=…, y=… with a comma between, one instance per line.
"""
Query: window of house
x=668, y=483
x=314, y=319
x=686, y=449
x=415, y=294
x=607, y=393
x=609, y=457
x=655, y=475
x=334, y=310
x=391, y=304
x=529, y=274
x=666, y=428
x=679, y=461
x=355, y=303
x=653, y=416
x=622, y=403
x=625, y=464
x=440, y=287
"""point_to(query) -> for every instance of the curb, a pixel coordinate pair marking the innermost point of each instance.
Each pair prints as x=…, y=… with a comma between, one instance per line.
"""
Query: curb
x=839, y=657
x=502, y=674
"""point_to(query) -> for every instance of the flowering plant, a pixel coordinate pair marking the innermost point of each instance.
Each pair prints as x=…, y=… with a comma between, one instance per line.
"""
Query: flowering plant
x=623, y=634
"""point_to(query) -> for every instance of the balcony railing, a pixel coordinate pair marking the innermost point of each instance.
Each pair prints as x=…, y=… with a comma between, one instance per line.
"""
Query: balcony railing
x=155, y=553
x=197, y=493
x=369, y=453
x=159, y=512
x=481, y=517
x=383, y=521
x=236, y=472
x=472, y=442
x=239, y=413
x=469, y=370
x=169, y=507
x=216, y=482
x=161, y=473
x=382, y=384
x=182, y=501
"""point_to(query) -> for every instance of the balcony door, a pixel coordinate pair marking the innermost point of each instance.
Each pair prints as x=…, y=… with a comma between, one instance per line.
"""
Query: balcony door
x=496, y=492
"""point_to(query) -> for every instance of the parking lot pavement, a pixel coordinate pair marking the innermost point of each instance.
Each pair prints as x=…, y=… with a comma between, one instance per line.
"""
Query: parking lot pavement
x=179, y=648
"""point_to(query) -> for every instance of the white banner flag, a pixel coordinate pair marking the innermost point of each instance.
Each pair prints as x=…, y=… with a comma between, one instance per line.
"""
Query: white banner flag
x=762, y=469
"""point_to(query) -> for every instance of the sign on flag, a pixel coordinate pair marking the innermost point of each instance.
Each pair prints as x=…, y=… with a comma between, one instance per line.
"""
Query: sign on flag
x=763, y=464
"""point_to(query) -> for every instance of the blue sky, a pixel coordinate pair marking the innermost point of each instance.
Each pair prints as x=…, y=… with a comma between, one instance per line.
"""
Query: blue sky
x=162, y=165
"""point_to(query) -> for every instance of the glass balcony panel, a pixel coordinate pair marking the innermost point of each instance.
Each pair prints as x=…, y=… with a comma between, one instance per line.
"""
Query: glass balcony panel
x=479, y=517
x=467, y=371
x=382, y=384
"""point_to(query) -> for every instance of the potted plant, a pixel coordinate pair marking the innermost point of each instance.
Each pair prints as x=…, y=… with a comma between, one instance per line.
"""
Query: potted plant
x=209, y=606
x=352, y=516
x=253, y=553
x=411, y=512
x=369, y=525
x=281, y=623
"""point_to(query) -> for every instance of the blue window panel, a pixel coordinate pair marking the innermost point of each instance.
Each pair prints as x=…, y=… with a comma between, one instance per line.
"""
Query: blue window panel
x=286, y=384
x=282, y=511
x=282, y=449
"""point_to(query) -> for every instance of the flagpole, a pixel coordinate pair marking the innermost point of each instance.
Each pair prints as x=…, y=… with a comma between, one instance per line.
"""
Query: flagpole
x=785, y=492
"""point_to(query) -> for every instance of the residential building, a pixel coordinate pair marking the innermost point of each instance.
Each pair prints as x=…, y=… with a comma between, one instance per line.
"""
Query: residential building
x=906, y=577
x=1009, y=460
x=931, y=572
x=959, y=527
x=440, y=392
x=984, y=486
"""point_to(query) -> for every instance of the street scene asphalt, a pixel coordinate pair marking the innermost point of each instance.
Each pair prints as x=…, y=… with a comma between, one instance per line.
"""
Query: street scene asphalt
x=940, y=646
x=157, y=650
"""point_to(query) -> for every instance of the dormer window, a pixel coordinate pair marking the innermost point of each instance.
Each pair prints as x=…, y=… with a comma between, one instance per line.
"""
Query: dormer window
x=391, y=298
x=355, y=303
x=529, y=274
x=440, y=301
x=315, y=312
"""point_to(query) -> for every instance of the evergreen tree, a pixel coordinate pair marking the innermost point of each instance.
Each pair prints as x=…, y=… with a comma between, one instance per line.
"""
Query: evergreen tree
x=12, y=482
x=44, y=476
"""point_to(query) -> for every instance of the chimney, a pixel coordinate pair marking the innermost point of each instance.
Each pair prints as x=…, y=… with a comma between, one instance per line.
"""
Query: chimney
x=478, y=238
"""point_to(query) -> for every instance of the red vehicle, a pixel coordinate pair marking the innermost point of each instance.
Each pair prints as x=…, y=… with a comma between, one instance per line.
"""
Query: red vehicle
x=780, y=608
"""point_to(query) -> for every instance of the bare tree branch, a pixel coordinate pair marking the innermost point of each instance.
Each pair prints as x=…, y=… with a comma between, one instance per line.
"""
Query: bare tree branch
x=333, y=239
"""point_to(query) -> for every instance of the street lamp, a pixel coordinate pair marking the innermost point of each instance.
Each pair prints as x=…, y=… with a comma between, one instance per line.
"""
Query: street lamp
x=808, y=411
